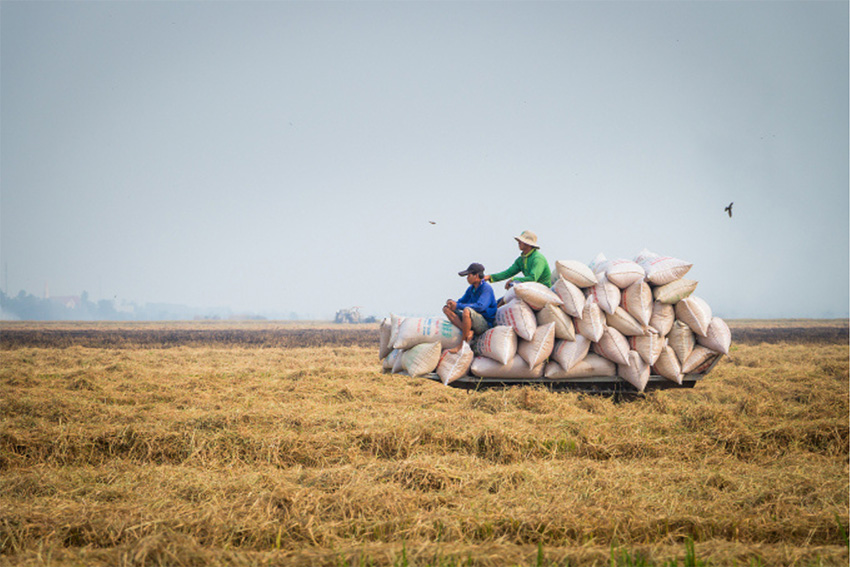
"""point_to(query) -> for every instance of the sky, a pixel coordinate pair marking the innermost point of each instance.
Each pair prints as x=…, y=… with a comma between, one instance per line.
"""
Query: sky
x=277, y=157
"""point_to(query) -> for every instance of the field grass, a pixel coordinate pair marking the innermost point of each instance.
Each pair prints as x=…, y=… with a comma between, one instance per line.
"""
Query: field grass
x=234, y=454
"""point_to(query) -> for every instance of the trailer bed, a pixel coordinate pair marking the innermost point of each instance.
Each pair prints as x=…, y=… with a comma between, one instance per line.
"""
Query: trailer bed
x=602, y=385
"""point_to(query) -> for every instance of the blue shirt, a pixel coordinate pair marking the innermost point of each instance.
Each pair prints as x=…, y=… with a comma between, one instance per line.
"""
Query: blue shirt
x=481, y=299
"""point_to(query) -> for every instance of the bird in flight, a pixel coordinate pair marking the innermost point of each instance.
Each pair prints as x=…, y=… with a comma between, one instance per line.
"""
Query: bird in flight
x=432, y=222
x=729, y=209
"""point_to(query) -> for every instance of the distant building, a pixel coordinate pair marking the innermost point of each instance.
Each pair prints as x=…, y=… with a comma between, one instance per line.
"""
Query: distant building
x=67, y=301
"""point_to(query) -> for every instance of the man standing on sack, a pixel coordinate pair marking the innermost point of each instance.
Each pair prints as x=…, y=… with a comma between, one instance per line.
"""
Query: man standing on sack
x=531, y=263
x=475, y=312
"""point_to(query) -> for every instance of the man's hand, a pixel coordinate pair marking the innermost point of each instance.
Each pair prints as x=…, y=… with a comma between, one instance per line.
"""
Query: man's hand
x=509, y=284
x=451, y=304
x=486, y=278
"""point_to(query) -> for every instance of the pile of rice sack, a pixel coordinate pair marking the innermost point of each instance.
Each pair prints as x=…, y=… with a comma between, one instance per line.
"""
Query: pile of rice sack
x=626, y=318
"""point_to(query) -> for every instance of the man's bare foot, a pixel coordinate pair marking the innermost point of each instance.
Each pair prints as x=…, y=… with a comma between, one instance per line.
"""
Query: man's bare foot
x=468, y=337
x=454, y=350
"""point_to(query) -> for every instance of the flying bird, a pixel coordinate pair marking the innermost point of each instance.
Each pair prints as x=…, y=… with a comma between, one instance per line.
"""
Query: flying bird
x=432, y=222
x=729, y=209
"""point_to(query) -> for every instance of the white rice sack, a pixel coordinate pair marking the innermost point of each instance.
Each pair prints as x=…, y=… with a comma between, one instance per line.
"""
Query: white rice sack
x=623, y=273
x=395, y=323
x=454, y=365
x=576, y=272
x=509, y=296
x=696, y=313
x=606, y=294
x=498, y=343
x=564, y=327
x=592, y=323
x=613, y=346
x=649, y=346
x=536, y=295
x=572, y=298
x=668, y=365
x=663, y=315
x=637, y=301
x=520, y=316
x=681, y=339
x=570, y=353
x=662, y=270
x=417, y=330
x=598, y=264
x=384, y=342
x=699, y=360
x=518, y=368
x=390, y=361
x=625, y=323
x=718, y=337
x=421, y=359
x=636, y=372
x=675, y=291
x=398, y=367
x=538, y=349
x=592, y=365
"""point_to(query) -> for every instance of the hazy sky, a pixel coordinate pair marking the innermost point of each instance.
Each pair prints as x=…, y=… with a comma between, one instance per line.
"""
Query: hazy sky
x=288, y=156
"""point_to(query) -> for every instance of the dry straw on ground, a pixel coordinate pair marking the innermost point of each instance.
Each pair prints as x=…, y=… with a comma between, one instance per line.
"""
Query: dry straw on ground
x=242, y=455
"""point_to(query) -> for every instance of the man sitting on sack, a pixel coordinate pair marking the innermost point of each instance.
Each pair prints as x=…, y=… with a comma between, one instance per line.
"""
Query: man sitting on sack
x=475, y=312
x=531, y=263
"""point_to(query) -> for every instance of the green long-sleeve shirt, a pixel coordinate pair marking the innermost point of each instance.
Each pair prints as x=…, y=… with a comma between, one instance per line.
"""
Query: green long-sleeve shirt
x=533, y=266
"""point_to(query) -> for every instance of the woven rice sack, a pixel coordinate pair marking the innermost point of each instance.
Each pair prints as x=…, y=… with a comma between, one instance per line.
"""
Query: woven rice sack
x=564, y=327
x=576, y=272
x=606, y=294
x=509, y=296
x=675, y=291
x=398, y=367
x=417, y=330
x=598, y=264
x=623, y=273
x=421, y=359
x=649, y=346
x=681, y=340
x=538, y=349
x=637, y=301
x=395, y=323
x=613, y=346
x=592, y=323
x=718, y=337
x=698, y=360
x=625, y=323
x=592, y=365
x=384, y=344
x=662, y=270
x=696, y=313
x=389, y=362
x=663, y=315
x=636, y=372
x=498, y=343
x=572, y=297
x=520, y=316
x=536, y=295
x=668, y=365
x=518, y=368
x=570, y=353
x=455, y=365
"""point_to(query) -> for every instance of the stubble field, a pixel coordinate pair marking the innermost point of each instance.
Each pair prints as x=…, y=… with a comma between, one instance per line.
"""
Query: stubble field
x=266, y=444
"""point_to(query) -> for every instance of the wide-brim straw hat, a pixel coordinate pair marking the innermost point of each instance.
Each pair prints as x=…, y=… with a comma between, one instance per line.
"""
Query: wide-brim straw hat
x=528, y=237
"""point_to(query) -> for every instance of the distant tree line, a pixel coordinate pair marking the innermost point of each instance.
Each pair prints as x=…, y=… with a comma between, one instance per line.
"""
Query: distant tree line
x=26, y=306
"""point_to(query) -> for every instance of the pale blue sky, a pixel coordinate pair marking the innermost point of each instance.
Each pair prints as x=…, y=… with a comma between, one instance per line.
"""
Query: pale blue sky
x=287, y=156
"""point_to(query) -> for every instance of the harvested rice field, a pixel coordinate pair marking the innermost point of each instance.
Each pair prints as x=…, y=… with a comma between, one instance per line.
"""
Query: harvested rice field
x=281, y=444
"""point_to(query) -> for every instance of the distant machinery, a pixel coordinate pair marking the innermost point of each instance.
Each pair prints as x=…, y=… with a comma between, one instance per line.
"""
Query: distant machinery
x=348, y=315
